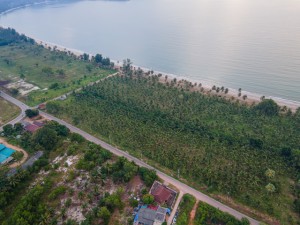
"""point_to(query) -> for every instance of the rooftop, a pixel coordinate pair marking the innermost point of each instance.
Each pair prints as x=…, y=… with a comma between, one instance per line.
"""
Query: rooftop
x=162, y=194
x=31, y=128
x=150, y=216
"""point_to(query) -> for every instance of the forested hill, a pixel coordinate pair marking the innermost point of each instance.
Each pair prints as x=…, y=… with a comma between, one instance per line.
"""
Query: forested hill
x=9, y=4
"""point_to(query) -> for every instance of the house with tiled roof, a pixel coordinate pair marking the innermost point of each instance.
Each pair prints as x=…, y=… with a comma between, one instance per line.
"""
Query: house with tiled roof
x=163, y=194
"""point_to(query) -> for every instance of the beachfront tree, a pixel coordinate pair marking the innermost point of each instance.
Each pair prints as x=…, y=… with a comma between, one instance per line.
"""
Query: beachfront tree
x=127, y=67
x=268, y=107
x=98, y=58
x=297, y=113
x=85, y=57
x=226, y=90
x=105, y=61
x=284, y=108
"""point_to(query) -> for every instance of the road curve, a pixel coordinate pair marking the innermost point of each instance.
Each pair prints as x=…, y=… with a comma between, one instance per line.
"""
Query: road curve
x=179, y=185
x=21, y=105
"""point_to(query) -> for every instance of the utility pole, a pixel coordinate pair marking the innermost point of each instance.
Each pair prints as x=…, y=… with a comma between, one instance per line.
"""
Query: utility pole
x=178, y=173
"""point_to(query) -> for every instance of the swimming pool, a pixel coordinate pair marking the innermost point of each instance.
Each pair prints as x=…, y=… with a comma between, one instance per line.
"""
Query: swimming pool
x=5, y=153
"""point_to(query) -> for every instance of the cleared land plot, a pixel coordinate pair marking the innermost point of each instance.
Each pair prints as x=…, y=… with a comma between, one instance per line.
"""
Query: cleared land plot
x=8, y=111
x=54, y=72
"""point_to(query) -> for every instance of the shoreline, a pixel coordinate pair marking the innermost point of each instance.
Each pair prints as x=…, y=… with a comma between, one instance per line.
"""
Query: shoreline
x=251, y=97
x=25, y=6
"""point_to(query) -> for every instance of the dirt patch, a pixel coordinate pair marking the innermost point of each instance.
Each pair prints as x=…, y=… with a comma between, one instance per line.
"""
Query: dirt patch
x=193, y=213
x=25, y=156
x=23, y=87
x=135, y=185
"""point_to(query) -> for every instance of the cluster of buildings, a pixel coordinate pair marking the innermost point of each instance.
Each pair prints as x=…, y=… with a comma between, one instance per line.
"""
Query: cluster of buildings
x=155, y=215
x=32, y=126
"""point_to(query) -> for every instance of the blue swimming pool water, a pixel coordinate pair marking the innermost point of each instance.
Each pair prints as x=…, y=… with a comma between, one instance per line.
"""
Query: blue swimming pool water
x=5, y=153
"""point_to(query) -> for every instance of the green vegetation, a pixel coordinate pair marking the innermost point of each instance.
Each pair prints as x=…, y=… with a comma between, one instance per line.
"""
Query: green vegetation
x=53, y=71
x=148, y=199
x=7, y=111
x=223, y=146
x=186, y=205
x=30, y=197
x=208, y=215
x=31, y=113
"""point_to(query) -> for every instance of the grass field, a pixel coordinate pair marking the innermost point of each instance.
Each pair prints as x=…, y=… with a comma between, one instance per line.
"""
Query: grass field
x=7, y=111
x=55, y=73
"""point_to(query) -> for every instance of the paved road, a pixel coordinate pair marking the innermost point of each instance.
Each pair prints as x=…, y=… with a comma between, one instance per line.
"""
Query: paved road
x=175, y=208
x=21, y=105
x=179, y=185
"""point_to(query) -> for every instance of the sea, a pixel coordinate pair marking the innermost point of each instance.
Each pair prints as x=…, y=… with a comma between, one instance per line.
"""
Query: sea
x=249, y=44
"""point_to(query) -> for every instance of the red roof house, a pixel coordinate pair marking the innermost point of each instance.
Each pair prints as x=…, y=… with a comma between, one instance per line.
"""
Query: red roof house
x=31, y=128
x=163, y=194
x=42, y=106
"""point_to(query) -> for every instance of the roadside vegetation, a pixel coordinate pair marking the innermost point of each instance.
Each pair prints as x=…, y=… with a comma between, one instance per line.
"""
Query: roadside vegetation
x=185, y=207
x=8, y=111
x=75, y=182
x=249, y=154
x=207, y=214
x=47, y=73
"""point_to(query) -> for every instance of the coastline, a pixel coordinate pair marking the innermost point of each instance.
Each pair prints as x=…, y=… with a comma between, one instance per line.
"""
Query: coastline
x=24, y=6
x=252, y=98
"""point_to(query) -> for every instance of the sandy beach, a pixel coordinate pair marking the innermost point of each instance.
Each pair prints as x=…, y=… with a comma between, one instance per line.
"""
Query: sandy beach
x=252, y=98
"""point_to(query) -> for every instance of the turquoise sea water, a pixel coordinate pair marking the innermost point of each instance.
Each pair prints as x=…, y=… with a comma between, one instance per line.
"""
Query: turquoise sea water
x=248, y=44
